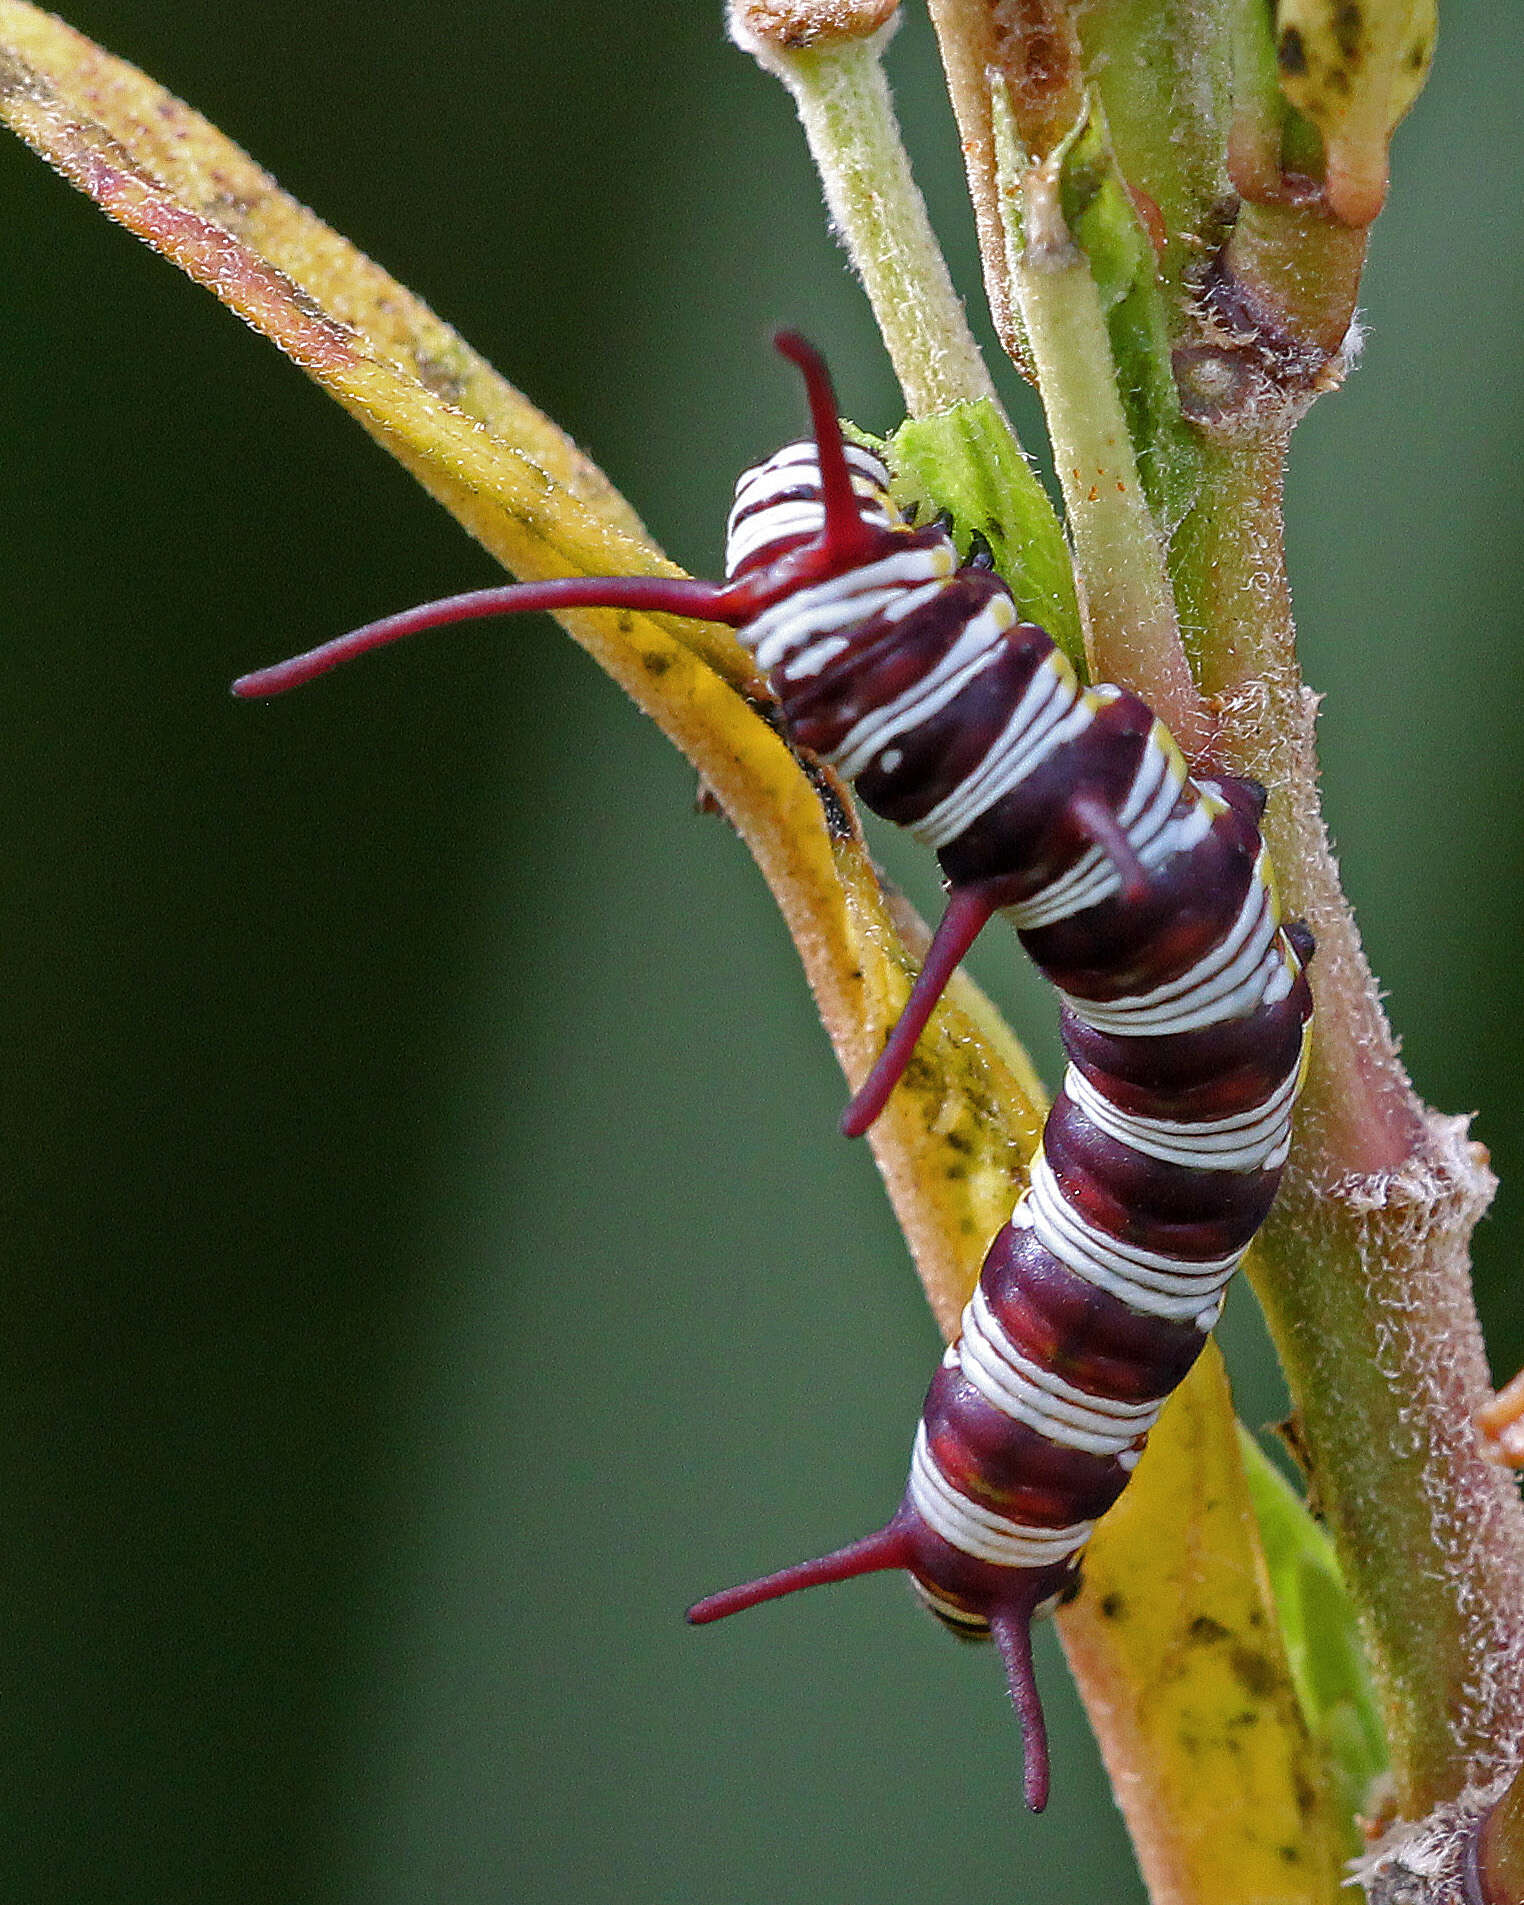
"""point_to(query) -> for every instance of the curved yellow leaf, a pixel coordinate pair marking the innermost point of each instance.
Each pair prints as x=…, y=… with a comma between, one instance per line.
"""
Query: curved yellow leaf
x=958, y=1135
x=1175, y=1644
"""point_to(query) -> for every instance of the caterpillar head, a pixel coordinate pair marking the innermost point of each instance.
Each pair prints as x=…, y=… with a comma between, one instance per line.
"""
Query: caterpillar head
x=848, y=526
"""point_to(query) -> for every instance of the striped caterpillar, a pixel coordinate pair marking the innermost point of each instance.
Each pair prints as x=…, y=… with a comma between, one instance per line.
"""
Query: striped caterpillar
x=1145, y=896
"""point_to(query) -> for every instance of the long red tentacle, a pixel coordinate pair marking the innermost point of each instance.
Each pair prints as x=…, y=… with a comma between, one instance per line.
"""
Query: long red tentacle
x=888, y=1548
x=846, y=538
x=968, y=912
x=660, y=595
x=1012, y=1627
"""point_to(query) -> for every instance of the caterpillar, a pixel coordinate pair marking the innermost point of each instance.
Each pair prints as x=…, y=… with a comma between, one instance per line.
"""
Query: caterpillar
x=1147, y=898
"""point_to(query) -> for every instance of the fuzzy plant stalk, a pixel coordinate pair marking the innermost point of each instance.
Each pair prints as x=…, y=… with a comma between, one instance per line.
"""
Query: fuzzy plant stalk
x=1173, y=199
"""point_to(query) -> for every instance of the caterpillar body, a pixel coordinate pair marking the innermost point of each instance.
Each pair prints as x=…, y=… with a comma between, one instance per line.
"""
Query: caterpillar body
x=1144, y=895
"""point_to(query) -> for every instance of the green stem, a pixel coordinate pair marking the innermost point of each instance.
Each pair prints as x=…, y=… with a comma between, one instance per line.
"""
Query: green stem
x=848, y=117
x=1139, y=53
x=1133, y=634
x=1362, y=1268
x=1259, y=108
x=1290, y=272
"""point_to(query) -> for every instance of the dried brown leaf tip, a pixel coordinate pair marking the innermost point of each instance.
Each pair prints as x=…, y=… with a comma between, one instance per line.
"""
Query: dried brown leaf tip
x=791, y=24
x=1037, y=51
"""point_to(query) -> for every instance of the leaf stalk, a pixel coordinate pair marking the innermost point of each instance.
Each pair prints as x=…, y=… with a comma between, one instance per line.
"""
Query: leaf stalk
x=844, y=104
x=1132, y=633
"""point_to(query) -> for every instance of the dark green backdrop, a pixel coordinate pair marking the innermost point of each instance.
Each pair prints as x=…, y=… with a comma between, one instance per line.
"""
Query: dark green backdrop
x=429, y=1263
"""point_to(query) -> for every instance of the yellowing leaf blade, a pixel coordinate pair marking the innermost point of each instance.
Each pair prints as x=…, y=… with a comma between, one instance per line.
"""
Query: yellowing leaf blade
x=1174, y=1638
x=530, y=496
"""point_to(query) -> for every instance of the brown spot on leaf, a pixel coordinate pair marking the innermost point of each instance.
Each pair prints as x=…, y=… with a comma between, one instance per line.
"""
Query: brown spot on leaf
x=1113, y=1606
x=106, y=150
x=1256, y=1673
x=1349, y=30
x=231, y=208
x=1291, y=54
x=309, y=306
x=447, y=381
x=1205, y=1631
x=1292, y=1436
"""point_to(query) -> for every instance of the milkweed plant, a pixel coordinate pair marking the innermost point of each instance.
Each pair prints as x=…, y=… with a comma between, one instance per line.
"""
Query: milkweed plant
x=1173, y=205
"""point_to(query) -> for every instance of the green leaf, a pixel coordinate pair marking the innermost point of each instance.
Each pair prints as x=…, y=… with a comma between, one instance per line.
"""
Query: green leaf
x=966, y=462
x=1321, y=1634
x=1100, y=212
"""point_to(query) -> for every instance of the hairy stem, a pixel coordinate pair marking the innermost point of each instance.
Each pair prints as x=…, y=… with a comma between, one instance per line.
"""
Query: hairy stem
x=1139, y=52
x=1362, y=1268
x=848, y=117
x=1035, y=51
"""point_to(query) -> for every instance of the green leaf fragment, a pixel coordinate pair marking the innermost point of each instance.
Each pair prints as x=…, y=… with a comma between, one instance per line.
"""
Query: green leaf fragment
x=1321, y=1634
x=965, y=463
x=1099, y=211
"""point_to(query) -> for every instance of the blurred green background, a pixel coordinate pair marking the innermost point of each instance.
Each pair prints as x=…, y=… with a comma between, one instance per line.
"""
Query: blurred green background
x=429, y=1263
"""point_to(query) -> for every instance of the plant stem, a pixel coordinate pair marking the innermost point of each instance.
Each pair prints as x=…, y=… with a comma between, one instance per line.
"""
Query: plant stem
x=1362, y=1268
x=1038, y=57
x=848, y=116
x=1289, y=275
x=1132, y=633
x=1142, y=52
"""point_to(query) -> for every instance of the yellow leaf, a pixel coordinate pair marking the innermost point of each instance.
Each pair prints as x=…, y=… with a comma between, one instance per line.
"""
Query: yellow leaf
x=1175, y=1644
x=954, y=1143
x=1354, y=67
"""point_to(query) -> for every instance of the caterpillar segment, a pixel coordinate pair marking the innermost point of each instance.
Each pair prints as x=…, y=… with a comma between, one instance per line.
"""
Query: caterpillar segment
x=1145, y=896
